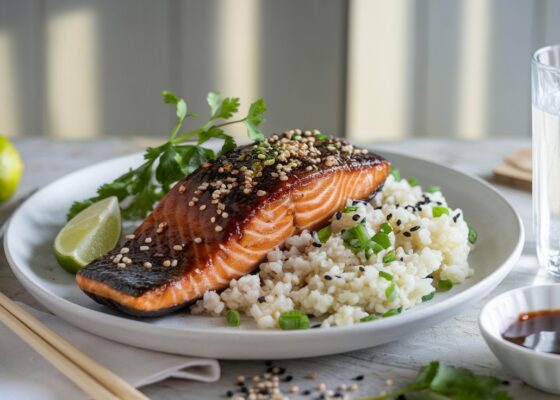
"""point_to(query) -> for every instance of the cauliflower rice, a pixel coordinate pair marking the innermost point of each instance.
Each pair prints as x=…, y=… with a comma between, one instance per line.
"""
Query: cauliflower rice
x=340, y=286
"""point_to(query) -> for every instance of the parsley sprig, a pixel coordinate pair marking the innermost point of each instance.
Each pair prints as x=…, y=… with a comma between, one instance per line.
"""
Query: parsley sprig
x=441, y=382
x=139, y=189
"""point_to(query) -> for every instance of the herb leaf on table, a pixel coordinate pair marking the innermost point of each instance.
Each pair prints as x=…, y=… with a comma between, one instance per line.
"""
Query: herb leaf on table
x=138, y=190
x=436, y=381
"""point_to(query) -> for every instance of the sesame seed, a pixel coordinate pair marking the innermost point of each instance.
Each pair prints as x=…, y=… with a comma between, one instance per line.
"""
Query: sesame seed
x=414, y=228
x=148, y=240
x=240, y=378
x=353, y=387
x=147, y=265
x=261, y=193
x=144, y=248
x=197, y=240
x=182, y=189
x=321, y=387
x=174, y=263
x=121, y=265
x=218, y=228
x=407, y=234
x=293, y=389
x=125, y=250
x=213, y=219
x=177, y=247
x=127, y=260
x=284, y=178
x=167, y=263
x=225, y=215
x=130, y=237
x=203, y=207
x=389, y=382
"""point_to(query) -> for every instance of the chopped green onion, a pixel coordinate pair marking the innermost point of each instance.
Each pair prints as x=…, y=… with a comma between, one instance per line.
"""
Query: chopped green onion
x=382, y=239
x=349, y=209
x=368, y=318
x=413, y=181
x=324, y=234
x=396, y=174
x=233, y=318
x=391, y=312
x=386, y=275
x=291, y=320
x=386, y=228
x=433, y=189
x=391, y=292
x=445, y=285
x=438, y=211
x=321, y=138
x=472, y=235
x=389, y=257
x=428, y=297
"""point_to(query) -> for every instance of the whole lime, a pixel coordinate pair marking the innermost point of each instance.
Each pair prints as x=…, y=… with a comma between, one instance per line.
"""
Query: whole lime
x=11, y=169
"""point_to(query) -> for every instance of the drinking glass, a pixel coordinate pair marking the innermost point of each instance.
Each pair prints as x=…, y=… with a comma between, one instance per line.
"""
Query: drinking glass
x=545, y=73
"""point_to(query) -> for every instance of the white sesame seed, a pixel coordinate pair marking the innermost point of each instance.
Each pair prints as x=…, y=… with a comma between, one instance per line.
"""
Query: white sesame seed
x=218, y=228
x=389, y=382
x=203, y=207
x=130, y=237
x=182, y=189
x=167, y=263
x=177, y=247
x=342, y=386
x=197, y=240
x=174, y=263
x=148, y=240
x=321, y=387
x=144, y=248
x=256, y=378
x=294, y=389
x=147, y=265
x=284, y=178
x=329, y=393
x=240, y=378
x=261, y=193
x=213, y=219
x=127, y=260
x=353, y=387
x=312, y=375
x=191, y=203
x=125, y=250
x=121, y=265
x=225, y=215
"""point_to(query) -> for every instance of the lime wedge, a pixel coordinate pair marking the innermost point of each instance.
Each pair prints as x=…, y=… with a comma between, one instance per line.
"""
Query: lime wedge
x=11, y=169
x=90, y=234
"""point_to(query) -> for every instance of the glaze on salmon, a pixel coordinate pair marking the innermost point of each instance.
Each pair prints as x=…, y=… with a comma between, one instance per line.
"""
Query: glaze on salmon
x=218, y=223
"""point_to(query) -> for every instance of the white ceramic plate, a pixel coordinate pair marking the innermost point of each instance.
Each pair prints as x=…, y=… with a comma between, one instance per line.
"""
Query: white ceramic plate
x=28, y=245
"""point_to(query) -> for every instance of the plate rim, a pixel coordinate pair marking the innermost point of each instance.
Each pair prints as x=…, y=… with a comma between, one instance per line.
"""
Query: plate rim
x=465, y=297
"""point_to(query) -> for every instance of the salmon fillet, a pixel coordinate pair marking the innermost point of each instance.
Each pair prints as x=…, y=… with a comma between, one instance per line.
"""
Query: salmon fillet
x=218, y=223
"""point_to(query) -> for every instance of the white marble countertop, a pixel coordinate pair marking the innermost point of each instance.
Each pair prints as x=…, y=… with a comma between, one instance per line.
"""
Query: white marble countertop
x=456, y=342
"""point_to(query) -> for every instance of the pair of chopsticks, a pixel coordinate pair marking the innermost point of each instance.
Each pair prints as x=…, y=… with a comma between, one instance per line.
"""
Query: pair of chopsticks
x=90, y=376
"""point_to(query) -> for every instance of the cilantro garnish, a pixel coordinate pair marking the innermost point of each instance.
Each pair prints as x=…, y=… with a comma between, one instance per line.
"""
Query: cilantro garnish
x=164, y=165
x=438, y=381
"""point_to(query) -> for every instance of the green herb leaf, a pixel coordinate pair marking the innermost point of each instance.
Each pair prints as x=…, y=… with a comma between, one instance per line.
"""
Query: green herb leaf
x=222, y=108
x=324, y=234
x=291, y=320
x=389, y=257
x=254, y=119
x=396, y=174
x=413, y=182
x=392, y=312
x=433, y=189
x=473, y=236
x=391, y=291
x=438, y=211
x=218, y=133
x=386, y=275
x=349, y=209
x=368, y=318
x=321, y=138
x=382, y=239
x=444, y=285
x=428, y=297
x=233, y=318
x=386, y=228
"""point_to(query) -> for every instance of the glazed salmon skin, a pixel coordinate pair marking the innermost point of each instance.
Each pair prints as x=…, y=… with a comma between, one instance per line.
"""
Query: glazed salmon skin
x=218, y=223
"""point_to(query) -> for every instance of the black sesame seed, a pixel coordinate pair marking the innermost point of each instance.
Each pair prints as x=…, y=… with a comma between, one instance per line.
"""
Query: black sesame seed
x=389, y=216
x=261, y=299
x=339, y=277
x=316, y=326
x=315, y=244
x=359, y=378
x=229, y=393
x=419, y=208
x=244, y=389
x=281, y=371
x=240, y=383
x=407, y=234
x=414, y=228
x=505, y=382
x=356, y=217
x=397, y=205
x=269, y=369
x=338, y=215
x=268, y=363
x=306, y=392
x=264, y=391
x=402, y=259
x=362, y=269
x=378, y=208
x=288, y=378
x=355, y=202
x=401, y=397
x=399, y=222
x=328, y=277
x=456, y=217
x=337, y=394
x=439, y=203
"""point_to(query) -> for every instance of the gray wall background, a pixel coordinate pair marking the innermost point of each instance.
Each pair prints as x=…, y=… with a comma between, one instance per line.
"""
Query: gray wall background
x=368, y=69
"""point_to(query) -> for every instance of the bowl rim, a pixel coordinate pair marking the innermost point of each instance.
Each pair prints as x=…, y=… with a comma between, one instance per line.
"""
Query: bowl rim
x=497, y=338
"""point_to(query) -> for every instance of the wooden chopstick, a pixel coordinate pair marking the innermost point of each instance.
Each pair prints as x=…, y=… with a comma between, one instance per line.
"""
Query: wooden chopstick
x=87, y=373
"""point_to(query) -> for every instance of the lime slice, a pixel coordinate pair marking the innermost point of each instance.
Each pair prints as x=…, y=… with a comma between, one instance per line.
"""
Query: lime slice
x=11, y=169
x=90, y=234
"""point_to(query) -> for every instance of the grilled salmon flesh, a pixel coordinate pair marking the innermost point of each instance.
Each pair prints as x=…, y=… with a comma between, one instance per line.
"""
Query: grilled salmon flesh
x=218, y=223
